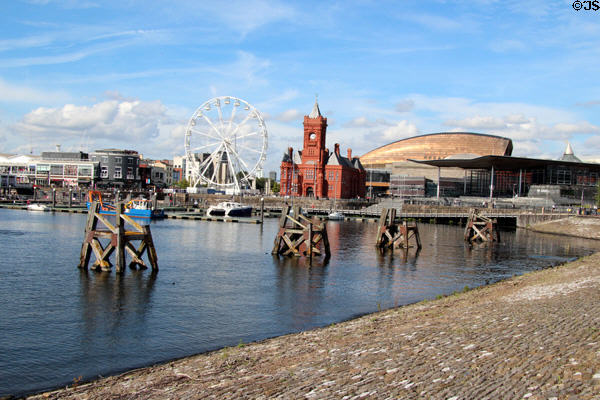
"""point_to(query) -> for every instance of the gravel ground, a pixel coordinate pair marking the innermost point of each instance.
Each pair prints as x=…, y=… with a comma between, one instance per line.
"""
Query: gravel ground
x=584, y=227
x=535, y=336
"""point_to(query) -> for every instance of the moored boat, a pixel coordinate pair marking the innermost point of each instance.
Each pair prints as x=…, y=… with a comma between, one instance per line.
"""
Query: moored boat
x=336, y=215
x=137, y=208
x=229, y=209
x=37, y=207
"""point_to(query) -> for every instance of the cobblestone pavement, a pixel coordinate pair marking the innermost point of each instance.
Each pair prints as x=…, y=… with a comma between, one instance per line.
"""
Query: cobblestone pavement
x=532, y=337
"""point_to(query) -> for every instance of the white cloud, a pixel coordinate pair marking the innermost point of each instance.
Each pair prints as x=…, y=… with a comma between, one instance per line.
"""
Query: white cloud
x=289, y=116
x=478, y=122
x=128, y=124
x=405, y=106
x=401, y=130
x=245, y=16
x=17, y=93
x=519, y=127
x=359, y=122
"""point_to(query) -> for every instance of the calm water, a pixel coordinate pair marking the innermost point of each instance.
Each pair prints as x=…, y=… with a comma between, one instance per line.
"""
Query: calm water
x=218, y=285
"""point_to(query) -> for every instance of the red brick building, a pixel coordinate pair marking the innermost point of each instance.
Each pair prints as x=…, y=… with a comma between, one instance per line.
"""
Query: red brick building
x=314, y=171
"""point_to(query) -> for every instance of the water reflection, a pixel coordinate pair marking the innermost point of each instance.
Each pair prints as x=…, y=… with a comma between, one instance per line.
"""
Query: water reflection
x=107, y=300
x=300, y=289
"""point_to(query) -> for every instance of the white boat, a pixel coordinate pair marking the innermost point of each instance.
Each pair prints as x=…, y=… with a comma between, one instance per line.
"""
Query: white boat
x=229, y=209
x=336, y=215
x=37, y=207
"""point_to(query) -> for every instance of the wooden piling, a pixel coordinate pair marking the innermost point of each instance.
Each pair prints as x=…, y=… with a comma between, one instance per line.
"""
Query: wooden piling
x=390, y=234
x=480, y=228
x=119, y=240
x=300, y=236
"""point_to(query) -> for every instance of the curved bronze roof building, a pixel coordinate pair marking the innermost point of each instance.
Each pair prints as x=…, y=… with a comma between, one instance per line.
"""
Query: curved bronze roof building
x=437, y=146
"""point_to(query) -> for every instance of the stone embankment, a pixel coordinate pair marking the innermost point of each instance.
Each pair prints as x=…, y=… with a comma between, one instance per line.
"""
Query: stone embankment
x=535, y=336
x=583, y=227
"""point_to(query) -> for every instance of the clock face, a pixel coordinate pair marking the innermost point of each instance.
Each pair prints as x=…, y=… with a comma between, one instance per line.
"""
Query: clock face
x=313, y=136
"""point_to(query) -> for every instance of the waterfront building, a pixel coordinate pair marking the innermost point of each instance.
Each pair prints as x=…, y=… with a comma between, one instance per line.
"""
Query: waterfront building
x=179, y=168
x=118, y=168
x=396, y=158
x=58, y=169
x=162, y=173
x=567, y=180
x=315, y=171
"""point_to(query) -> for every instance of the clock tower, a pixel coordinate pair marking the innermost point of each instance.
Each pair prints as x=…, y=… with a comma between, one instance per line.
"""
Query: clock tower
x=315, y=127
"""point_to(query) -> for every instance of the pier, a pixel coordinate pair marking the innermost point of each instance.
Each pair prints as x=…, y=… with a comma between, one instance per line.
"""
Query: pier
x=432, y=214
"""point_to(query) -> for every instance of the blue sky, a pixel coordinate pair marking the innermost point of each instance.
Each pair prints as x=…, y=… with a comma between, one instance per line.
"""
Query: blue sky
x=129, y=74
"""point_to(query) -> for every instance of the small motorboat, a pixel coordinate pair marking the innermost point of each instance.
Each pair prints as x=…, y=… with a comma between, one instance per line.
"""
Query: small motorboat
x=336, y=215
x=137, y=208
x=229, y=209
x=37, y=207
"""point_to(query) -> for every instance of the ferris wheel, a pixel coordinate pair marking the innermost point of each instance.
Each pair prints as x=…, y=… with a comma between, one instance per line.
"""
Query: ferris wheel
x=225, y=143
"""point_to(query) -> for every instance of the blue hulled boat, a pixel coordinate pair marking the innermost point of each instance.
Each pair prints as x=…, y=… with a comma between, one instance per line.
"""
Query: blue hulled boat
x=138, y=208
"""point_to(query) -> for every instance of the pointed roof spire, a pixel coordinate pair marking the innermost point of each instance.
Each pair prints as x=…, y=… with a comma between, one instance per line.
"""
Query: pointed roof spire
x=568, y=150
x=315, y=113
x=568, y=155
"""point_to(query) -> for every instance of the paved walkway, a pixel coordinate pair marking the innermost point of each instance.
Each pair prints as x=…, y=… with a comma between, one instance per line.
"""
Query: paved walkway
x=532, y=337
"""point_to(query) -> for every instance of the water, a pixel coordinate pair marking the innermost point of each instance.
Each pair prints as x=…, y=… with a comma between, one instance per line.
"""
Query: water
x=218, y=285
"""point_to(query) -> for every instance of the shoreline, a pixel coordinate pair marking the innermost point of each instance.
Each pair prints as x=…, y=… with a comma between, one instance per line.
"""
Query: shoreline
x=387, y=353
x=533, y=336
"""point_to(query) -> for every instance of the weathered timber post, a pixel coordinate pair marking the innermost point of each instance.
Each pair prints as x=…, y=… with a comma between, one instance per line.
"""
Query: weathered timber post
x=154, y=201
x=299, y=235
x=389, y=233
x=119, y=241
x=481, y=228
x=120, y=245
x=310, y=240
x=262, y=209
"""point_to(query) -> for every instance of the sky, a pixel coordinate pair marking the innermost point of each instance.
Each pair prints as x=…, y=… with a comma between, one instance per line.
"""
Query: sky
x=128, y=74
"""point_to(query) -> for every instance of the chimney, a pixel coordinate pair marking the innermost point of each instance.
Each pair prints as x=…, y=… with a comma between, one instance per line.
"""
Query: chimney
x=349, y=154
x=336, y=149
x=291, y=153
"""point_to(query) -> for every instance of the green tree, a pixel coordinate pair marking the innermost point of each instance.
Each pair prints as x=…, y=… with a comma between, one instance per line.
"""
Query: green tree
x=598, y=194
x=275, y=187
x=182, y=184
x=261, y=183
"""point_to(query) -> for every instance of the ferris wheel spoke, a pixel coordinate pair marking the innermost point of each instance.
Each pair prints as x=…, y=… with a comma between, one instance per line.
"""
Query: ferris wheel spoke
x=212, y=126
x=215, y=170
x=199, y=132
x=206, y=163
x=231, y=167
x=249, y=148
x=231, y=118
x=220, y=113
x=196, y=149
x=241, y=123
x=247, y=135
x=240, y=159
